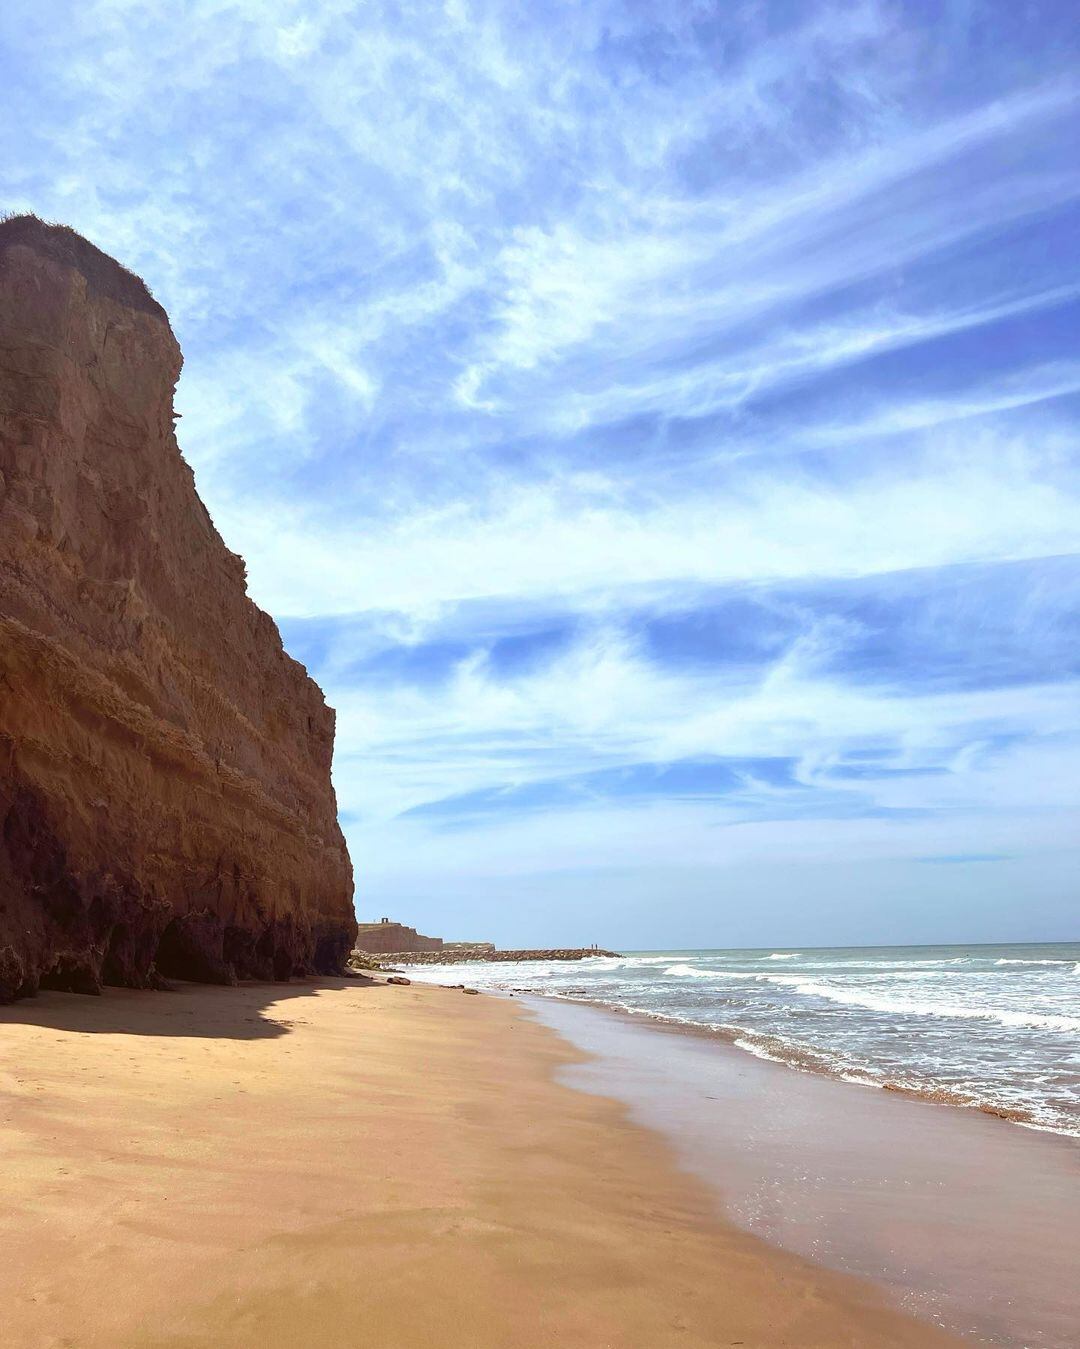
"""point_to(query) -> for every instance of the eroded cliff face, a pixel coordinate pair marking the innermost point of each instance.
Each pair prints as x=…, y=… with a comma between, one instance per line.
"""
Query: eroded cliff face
x=165, y=798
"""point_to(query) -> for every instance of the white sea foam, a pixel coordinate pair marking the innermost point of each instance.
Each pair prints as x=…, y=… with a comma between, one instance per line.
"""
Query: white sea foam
x=689, y=972
x=758, y=1050
x=784, y=955
x=1007, y=960
x=887, y=966
x=879, y=1002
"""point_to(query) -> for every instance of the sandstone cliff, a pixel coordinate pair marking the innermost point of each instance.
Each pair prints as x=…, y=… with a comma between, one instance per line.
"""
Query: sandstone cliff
x=386, y=936
x=165, y=796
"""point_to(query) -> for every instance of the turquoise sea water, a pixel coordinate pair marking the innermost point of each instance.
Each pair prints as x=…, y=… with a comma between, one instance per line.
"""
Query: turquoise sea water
x=992, y=1027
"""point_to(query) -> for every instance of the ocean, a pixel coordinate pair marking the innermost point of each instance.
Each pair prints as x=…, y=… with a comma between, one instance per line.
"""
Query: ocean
x=990, y=1027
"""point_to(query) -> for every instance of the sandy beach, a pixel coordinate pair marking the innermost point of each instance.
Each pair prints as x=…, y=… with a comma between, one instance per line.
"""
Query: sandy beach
x=337, y=1163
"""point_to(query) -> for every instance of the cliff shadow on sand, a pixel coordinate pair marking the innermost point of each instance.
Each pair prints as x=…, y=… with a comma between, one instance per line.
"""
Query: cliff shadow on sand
x=186, y=1010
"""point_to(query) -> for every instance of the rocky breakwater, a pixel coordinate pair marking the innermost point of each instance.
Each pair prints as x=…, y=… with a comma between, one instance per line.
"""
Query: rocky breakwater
x=165, y=798
x=458, y=956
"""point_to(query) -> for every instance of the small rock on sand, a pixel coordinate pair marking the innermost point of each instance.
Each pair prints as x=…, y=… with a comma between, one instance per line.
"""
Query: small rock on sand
x=474, y=991
x=398, y=979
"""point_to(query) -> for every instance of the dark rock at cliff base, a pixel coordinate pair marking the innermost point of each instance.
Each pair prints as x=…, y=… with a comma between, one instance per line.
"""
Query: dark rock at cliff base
x=165, y=799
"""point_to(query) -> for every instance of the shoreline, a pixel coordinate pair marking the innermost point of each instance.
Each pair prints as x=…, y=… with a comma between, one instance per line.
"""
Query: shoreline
x=772, y=1046
x=802, y=1060
x=961, y=1221
x=336, y=1161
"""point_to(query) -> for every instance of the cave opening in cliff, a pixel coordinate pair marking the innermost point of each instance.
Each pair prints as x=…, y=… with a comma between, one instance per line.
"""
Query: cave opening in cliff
x=190, y=949
x=70, y=976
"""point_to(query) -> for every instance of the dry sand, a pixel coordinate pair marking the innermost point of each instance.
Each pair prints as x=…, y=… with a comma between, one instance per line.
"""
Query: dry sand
x=338, y=1164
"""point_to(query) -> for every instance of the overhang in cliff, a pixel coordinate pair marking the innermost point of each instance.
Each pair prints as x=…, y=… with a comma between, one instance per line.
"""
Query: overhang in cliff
x=165, y=797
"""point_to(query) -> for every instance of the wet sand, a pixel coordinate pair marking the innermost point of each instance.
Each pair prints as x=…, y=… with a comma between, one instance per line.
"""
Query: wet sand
x=337, y=1164
x=968, y=1219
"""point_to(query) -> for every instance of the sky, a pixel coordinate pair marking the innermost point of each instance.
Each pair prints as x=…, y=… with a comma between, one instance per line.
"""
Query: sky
x=654, y=425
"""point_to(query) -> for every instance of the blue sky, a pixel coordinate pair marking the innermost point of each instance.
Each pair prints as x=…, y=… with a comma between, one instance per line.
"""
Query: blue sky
x=654, y=425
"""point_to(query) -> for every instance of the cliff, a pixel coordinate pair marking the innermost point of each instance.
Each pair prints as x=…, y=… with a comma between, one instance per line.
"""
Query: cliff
x=165, y=797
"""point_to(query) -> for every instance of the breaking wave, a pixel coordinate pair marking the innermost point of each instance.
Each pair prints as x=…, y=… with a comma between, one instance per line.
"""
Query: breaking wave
x=879, y=1002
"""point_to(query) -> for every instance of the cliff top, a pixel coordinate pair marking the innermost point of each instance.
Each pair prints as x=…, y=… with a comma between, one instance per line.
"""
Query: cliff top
x=104, y=275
